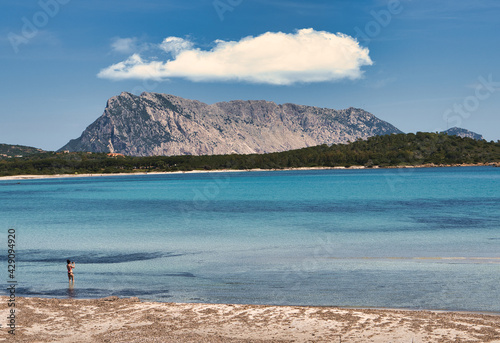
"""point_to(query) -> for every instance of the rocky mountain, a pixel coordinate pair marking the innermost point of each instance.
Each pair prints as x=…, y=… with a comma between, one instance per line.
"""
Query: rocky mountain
x=161, y=124
x=456, y=131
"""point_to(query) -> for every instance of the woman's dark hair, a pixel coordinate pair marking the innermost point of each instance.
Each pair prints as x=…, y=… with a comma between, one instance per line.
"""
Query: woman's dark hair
x=68, y=261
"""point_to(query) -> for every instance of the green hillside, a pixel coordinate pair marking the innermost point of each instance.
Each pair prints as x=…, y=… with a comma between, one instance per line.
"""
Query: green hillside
x=9, y=151
x=384, y=151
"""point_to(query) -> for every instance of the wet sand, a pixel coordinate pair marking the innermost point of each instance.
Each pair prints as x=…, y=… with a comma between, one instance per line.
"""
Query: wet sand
x=130, y=320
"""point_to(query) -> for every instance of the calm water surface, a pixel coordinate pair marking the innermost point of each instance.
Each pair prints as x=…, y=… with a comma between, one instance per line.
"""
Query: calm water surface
x=409, y=238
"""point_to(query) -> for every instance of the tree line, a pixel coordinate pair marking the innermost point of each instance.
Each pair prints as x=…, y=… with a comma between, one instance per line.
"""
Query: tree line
x=383, y=151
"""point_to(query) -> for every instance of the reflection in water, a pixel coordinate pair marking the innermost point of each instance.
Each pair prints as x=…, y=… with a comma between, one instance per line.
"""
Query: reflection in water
x=71, y=291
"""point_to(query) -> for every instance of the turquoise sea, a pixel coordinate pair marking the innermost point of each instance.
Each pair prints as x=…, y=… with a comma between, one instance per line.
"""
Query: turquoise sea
x=426, y=238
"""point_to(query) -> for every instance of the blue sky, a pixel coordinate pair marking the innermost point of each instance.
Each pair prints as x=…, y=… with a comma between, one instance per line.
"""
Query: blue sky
x=421, y=65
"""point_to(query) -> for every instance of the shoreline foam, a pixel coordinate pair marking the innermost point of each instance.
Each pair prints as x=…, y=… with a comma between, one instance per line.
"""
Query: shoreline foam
x=130, y=320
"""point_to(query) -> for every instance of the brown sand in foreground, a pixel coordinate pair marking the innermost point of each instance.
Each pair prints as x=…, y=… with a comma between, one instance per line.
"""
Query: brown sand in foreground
x=129, y=320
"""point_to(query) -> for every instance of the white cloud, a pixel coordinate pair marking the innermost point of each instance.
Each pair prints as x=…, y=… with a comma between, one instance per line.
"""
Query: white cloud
x=273, y=58
x=175, y=45
x=124, y=45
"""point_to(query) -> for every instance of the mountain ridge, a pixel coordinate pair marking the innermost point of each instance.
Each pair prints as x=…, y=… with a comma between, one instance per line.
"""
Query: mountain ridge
x=457, y=131
x=166, y=125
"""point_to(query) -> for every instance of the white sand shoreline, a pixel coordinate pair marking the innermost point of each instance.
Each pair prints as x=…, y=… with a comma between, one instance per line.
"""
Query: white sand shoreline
x=60, y=176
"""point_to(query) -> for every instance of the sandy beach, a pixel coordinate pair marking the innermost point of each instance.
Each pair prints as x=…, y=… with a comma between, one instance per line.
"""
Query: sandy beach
x=129, y=320
x=58, y=176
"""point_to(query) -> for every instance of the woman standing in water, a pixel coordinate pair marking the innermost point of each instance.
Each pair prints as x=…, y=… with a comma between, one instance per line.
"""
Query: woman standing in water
x=70, y=267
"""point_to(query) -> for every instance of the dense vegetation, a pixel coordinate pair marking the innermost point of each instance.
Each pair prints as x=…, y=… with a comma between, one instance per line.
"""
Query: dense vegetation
x=390, y=150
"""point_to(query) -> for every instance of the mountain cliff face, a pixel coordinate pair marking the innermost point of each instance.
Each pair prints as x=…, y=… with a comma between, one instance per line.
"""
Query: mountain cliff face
x=161, y=124
x=456, y=131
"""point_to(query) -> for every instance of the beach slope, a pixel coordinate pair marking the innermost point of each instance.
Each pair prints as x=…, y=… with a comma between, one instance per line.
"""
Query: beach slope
x=130, y=320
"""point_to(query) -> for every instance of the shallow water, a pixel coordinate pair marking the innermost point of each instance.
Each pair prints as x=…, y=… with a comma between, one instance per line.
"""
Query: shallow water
x=409, y=238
